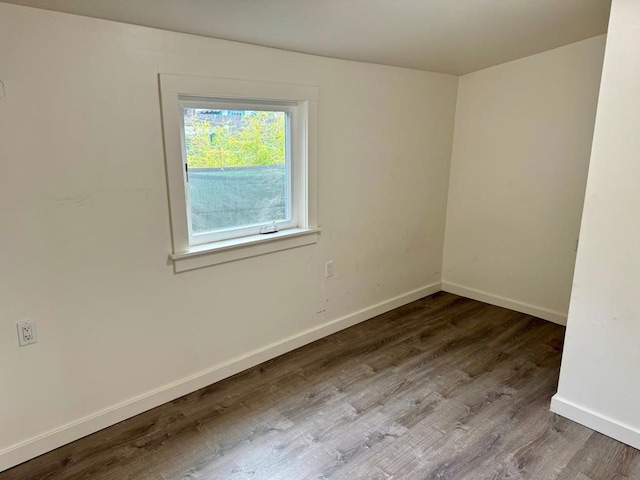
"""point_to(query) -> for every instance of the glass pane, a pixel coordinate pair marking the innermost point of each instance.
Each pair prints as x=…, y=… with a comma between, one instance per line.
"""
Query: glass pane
x=237, y=167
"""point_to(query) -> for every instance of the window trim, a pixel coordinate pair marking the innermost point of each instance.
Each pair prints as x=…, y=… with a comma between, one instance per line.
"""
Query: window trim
x=173, y=90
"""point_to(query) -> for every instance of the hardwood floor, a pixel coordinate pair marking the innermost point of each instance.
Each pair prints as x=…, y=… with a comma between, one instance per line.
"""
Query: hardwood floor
x=443, y=388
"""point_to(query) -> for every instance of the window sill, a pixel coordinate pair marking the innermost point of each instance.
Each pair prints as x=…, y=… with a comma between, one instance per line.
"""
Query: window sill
x=238, y=248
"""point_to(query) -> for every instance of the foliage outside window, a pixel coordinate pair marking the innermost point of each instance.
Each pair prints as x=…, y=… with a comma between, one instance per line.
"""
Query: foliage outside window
x=250, y=139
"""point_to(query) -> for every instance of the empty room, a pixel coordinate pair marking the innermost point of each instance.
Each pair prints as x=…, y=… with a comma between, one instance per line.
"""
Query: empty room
x=332, y=239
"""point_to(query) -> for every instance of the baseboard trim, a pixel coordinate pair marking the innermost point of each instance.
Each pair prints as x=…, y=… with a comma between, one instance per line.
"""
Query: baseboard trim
x=31, y=448
x=486, y=297
x=595, y=421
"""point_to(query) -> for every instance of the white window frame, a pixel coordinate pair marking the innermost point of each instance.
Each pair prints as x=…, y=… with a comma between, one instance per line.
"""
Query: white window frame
x=294, y=125
x=300, y=103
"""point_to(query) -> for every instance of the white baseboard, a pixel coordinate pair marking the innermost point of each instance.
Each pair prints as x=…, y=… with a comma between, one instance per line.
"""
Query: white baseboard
x=64, y=434
x=600, y=423
x=544, y=313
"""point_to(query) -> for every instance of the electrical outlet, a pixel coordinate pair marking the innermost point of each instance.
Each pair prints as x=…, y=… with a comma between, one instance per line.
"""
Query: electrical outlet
x=328, y=269
x=27, y=333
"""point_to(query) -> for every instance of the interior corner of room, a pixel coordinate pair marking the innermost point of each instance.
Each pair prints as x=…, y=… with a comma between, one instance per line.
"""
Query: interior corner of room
x=476, y=184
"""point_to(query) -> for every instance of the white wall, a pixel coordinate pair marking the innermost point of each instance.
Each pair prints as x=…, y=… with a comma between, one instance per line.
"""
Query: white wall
x=599, y=377
x=84, y=234
x=521, y=151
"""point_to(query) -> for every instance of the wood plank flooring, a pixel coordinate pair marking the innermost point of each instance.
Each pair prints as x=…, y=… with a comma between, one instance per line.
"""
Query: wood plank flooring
x=443, y=388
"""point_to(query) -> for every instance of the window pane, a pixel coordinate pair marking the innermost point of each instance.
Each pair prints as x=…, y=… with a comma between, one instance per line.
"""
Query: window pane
x=237, y=167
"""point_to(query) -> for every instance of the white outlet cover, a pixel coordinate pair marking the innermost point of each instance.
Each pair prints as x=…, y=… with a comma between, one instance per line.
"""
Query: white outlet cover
x=328, y=269
x=27, y=333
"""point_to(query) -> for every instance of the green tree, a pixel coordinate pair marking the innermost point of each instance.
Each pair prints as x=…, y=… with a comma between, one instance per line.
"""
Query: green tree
x=258, y=140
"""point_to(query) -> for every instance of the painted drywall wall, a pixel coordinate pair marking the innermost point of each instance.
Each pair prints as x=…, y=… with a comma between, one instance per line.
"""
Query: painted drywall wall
x=85, y=225
x=599, y=375
x=520, y=157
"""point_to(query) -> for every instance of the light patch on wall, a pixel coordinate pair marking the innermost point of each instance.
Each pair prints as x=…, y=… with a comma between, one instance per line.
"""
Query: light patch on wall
x=75, y=201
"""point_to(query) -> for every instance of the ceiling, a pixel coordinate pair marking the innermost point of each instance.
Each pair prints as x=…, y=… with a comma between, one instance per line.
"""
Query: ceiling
x=450, y=36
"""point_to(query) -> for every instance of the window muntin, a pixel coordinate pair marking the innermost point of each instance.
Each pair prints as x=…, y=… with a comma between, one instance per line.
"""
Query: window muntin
x=239, y=174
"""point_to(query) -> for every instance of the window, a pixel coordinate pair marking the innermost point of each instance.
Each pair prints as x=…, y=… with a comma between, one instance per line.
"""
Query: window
x=240, y=160
x=238, y=172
